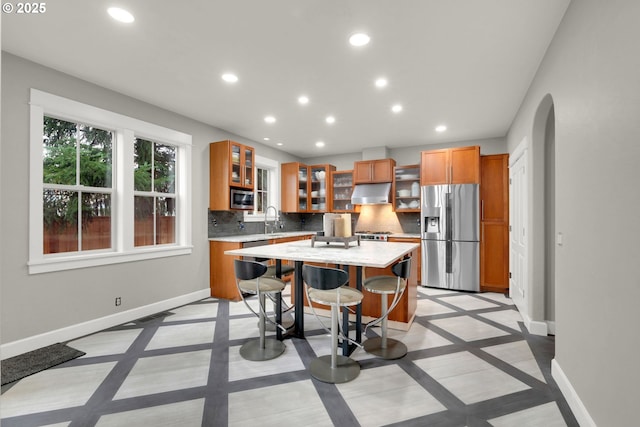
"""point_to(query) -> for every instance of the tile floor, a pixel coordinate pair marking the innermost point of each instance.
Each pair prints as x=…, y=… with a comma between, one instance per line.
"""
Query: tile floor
x=470, y=363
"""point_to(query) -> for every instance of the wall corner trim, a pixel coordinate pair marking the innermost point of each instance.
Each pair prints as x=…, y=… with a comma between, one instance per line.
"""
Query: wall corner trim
x=68, y=333
x=570, y=394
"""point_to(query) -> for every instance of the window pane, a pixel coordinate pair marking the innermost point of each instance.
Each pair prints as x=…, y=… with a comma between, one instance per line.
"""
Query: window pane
x=265, y=179
x=143, y=226
x=142, y=164
x=164, y=164
x=95, y=157
x=96, y=221
x=59, y=152
x=165, y=220
x=60, y=215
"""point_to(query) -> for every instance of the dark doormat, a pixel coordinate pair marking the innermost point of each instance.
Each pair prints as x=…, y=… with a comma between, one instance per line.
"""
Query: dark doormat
x=17, y=367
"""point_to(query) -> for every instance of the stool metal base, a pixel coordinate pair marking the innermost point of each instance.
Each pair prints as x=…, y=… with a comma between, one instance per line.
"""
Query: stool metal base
x=346, y=370
x=251, y=350
x=394, y=350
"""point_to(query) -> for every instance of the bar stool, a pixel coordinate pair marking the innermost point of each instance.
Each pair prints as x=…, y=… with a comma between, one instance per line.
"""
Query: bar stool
x=250, y=279
x=285, y=269
x=326, y=286
x=382, y=346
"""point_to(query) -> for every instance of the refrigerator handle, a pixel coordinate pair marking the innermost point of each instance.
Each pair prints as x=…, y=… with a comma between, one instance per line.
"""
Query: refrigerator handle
x=482, y=209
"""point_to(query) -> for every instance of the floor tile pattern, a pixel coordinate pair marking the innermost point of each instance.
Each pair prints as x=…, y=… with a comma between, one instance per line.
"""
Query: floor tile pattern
x=470, y=363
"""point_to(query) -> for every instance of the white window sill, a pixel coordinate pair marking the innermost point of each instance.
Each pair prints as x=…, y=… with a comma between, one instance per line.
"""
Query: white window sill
x=60, y=263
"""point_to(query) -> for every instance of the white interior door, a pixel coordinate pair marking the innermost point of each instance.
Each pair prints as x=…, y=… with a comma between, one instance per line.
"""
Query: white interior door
x=518, y=235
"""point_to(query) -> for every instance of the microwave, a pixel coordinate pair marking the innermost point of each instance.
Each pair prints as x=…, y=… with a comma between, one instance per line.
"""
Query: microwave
x=241, y=199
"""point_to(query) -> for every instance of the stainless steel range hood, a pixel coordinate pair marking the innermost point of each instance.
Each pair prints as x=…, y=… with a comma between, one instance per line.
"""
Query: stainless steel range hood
x=371, y=194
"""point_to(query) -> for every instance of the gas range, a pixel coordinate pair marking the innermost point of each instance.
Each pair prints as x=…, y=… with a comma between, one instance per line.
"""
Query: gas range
x=379, y=236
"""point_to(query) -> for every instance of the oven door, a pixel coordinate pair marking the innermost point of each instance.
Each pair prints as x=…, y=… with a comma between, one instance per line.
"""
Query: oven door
x=241, y=199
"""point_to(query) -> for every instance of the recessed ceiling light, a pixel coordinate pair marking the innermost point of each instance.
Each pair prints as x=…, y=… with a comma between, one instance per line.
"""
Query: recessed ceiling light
x=270, y=119
x=319, y=144
x=441, y=128
x=330, y=119
x=120, y=15
x=303, y=100
x=266, y=139
x=381, y=82
x=359, y=39
x=279, y=144
x=229, y=77
x=396, y=108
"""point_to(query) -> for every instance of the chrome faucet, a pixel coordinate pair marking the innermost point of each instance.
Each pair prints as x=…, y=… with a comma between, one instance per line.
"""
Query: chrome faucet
x=266, y=221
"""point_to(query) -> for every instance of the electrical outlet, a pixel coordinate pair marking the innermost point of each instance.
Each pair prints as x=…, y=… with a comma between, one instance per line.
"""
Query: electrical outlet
x=118, y=301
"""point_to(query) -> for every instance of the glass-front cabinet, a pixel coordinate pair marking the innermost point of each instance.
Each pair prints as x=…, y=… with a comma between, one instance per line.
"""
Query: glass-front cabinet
x=241, y=166
x=305, y=188
x=342, y=183
x=406, y=191
x=319, y=191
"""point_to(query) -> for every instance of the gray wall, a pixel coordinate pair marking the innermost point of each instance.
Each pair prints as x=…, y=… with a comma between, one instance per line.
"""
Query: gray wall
x=36, y=304
x=591, y=72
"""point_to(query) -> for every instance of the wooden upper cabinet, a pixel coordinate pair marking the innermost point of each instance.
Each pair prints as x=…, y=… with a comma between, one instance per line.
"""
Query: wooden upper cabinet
x=230, y=165
x=373, y=171
x=460, y=165
x=294, y=188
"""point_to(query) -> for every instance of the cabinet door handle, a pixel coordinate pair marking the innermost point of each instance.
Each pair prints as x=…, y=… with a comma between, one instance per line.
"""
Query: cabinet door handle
x=482, y=207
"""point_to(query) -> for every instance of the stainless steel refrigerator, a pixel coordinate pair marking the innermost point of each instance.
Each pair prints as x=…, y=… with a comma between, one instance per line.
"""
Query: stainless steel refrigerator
x=450, y=228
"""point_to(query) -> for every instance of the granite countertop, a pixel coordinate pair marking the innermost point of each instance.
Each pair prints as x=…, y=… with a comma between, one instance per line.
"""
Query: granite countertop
x=242, y=238
x=367, y=254
x=405, y=235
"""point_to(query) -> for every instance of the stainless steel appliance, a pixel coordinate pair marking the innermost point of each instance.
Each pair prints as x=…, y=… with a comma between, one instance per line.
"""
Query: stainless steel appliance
x=378, y=236
x=241, y=199
x=450, y=228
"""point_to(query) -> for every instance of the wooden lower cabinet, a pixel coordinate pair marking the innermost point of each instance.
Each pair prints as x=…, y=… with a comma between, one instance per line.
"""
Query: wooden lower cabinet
x=494, y=253
x=221, y=271
x=417, y=260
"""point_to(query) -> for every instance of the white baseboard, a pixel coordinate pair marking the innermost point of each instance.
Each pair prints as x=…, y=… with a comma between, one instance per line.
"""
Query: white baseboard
x=534, y=327
x=15, y=348
x=551, y=326
x=572, y=398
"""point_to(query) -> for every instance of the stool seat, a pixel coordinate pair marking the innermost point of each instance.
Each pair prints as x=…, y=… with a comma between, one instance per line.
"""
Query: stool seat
x=326, y=286
x=250, y=279
x=383, y=285
x=344, y=296
x=383, y=346
x=265, y=284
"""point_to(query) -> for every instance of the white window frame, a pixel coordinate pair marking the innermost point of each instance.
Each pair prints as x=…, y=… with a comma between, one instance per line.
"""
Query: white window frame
x=125, y=130
x=274, y=187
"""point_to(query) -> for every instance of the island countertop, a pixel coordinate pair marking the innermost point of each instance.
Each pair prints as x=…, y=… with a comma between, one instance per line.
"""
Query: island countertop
x=368, y=254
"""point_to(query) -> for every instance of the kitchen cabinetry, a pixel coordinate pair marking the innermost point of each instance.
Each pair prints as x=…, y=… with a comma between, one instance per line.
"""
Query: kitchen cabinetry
x=406, y=188
x=373, y=171
x=460, y=165
x=494, y=223
x=221, y=270
x=415, y=262
x=231, y=165
x=304, y=188
x=342, y=188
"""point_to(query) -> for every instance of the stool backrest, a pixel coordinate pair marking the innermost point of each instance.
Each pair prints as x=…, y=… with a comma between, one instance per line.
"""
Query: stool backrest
x=324, y=278
x=248, y=270
x=402, y=269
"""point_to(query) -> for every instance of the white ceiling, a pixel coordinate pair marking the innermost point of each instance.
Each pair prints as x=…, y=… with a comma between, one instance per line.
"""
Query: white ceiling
x=463, y=63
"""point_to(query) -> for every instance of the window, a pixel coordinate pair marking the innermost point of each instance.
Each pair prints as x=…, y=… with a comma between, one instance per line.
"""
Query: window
x=104, y=188
x=262, y=189
x=266, y=188
x=76, y=181
x=154, y=191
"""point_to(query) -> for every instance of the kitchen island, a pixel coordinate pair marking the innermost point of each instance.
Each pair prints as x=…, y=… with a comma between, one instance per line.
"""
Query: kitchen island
x=375, y=255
